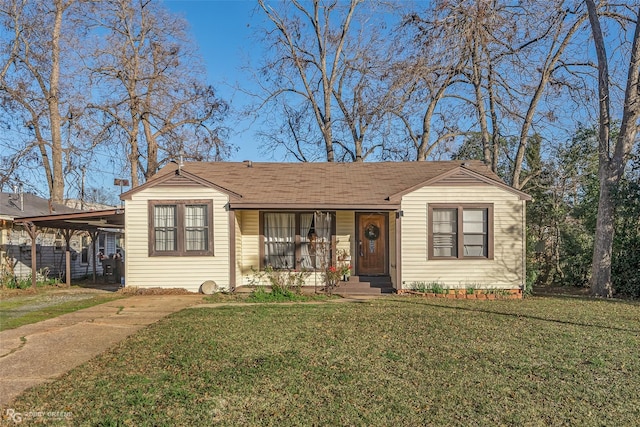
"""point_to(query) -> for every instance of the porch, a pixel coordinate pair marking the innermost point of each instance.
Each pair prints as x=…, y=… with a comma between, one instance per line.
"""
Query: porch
x=364, y=240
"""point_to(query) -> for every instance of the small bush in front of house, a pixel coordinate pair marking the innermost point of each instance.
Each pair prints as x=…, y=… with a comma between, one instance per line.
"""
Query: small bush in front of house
x=261, y=294
x=419, y=287
x=437, y=288
x=282, y=282
x=428, y=288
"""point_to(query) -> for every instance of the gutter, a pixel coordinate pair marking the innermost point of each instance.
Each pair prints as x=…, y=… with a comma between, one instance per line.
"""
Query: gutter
x=314, y=206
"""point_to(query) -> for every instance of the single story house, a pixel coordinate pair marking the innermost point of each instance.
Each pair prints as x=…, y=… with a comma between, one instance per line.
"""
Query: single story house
x=15, y=241
x=454, y=223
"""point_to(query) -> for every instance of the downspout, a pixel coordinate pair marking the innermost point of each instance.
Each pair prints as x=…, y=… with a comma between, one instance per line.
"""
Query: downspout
x=398, y=237
x=232, y=248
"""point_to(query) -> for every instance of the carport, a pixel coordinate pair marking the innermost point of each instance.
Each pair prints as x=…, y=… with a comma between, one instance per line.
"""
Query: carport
x=70, y=223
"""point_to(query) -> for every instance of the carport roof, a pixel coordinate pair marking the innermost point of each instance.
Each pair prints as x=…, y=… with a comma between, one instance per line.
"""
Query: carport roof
x=89, y=220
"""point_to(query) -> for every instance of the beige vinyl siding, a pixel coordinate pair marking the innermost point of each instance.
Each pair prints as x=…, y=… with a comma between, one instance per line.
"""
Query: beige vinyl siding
x=506, y=270
x=250, y=229
x=174, y=271
x=345, y=236
x=345, y=231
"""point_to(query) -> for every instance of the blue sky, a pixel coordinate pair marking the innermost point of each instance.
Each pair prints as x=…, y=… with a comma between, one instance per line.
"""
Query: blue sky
x=223, y=30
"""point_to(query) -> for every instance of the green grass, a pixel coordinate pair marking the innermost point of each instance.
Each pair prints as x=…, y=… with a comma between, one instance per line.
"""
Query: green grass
x=12, y=314
x=260, y=295
x=401, y=361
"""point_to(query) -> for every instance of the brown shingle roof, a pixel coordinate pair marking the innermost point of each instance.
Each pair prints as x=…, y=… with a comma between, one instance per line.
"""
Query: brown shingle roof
x=32, y=205
x=318, y=185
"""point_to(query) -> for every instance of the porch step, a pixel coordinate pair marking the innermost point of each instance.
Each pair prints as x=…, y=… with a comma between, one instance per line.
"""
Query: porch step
x=361, y=285
x=370, y=279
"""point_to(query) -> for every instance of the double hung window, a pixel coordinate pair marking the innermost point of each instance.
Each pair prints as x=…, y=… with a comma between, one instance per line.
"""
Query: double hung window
x=181, y=228
x=460, y=231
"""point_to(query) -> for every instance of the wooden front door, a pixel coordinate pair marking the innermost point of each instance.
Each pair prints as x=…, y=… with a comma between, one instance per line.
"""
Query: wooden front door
x=371, y=247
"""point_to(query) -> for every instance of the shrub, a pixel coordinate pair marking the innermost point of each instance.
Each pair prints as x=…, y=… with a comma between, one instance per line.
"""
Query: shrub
x=281, y=281
x=419, y=287
x=437, y=288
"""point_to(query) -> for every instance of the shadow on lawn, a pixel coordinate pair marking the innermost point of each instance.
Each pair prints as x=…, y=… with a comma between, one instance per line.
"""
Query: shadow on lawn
x=528, y=316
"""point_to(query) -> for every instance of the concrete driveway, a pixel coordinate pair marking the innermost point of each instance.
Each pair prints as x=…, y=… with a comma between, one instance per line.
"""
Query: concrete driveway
x=41, y=352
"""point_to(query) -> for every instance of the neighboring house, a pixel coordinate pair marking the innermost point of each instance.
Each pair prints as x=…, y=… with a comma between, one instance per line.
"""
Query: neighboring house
x=452, y=223
x=15, y=243
x=86, y=206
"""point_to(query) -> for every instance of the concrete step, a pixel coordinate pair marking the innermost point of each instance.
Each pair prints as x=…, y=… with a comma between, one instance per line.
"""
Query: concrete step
x=369, y=279
x=360, y=285
x=362, y=291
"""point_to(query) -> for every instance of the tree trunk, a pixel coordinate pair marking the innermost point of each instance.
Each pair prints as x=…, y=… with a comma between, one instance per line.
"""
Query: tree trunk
x=328, y=141
x=480, y=108
x=495, y=134
x=423, y=149
x=611, y=168
x=152, y=150
x=601, y=284
x=57, y=184
x=358, y=147
x=46, y=164
x=134, y=156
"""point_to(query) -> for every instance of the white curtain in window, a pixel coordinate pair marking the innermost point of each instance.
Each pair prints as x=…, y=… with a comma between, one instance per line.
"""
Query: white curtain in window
x=279, y=239
x=165, y=228
x=165, y=216
x=322, y=221
x=306, y=220
x=196, y=233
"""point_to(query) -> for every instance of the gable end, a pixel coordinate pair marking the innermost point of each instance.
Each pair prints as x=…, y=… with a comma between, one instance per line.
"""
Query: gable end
x=461, y=179
x=179, y=181
x=461, y=176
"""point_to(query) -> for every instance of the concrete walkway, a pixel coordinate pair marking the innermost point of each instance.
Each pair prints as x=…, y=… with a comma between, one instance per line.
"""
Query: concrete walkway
x=41, y=352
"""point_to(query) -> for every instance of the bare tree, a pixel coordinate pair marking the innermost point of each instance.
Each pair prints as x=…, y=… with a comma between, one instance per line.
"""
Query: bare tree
x=515, y=61
x=486, y=29
x=563, y=25
x=426, y=79
x=613, y=150
x=313, y=59
x=150, y=92
x=293, y=132
x=327, y=62
x=32, y=83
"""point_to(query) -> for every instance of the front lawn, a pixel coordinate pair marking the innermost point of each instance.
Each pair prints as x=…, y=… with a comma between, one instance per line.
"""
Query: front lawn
x=32, y=307
x=398, y=361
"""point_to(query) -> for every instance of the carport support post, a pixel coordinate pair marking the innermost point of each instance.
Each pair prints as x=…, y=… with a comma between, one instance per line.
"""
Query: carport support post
x=67, y=238
x=94, y=236
x=33, y=233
